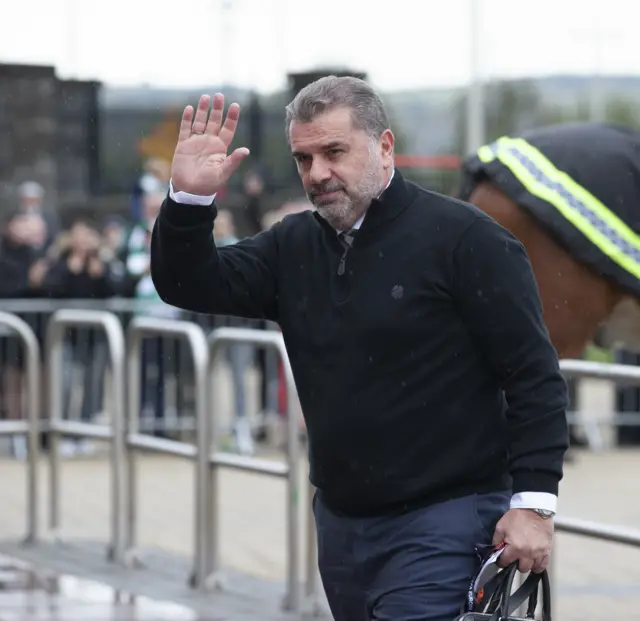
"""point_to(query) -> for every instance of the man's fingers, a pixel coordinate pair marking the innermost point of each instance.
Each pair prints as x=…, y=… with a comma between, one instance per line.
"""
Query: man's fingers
x=215, y=117
x=509, y=555
x=210, y=123
x=540, y=564
x=527, y=560
x=234, y=160
x=200, y=122
x=525, y=565
x=185, y=123
x=229, y=128
x=498, y=536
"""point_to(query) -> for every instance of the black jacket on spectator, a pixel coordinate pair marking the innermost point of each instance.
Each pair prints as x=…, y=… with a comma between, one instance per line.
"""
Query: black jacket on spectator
x=424, y=368
x=15, y=263
x=61, y=282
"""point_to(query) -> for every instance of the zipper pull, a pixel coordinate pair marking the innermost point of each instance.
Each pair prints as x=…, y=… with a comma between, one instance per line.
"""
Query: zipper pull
x=346, y=239
x=341, y=265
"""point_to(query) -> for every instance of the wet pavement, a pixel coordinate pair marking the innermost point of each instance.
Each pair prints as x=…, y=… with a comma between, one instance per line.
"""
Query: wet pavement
x=25, y=596
x=596, y=581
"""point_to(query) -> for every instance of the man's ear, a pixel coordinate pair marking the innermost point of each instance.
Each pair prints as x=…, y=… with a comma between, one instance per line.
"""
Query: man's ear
x=387, y=144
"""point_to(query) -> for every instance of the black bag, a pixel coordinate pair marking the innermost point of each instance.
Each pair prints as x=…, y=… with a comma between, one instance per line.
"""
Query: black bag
x=499, y=604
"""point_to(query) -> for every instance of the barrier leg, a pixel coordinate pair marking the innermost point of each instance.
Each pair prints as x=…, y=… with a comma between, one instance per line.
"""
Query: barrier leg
x=32, y=351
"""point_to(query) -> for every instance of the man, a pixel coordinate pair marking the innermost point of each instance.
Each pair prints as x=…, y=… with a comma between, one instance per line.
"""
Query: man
x=432, y=396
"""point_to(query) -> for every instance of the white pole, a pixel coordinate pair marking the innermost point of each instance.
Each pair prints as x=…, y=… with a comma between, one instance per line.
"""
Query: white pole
x=597, y=106
x=72, y=38
x=226, y=38
x=475, y=99
x=599, y=39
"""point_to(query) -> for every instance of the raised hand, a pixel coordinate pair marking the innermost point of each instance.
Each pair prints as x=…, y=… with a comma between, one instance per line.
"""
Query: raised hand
x=200, y=164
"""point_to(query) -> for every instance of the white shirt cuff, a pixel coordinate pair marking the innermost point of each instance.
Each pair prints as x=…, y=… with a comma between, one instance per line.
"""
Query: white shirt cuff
x=535, y=500
x=184, y=198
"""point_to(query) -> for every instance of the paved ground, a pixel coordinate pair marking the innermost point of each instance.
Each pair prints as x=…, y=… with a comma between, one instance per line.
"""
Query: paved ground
x=596, y=581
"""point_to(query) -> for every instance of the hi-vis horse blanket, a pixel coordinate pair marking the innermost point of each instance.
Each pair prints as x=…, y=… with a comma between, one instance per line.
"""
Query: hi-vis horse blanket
x=579, y=180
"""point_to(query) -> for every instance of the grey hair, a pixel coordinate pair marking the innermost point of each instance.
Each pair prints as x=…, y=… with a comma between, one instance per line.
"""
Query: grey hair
x=331, y=92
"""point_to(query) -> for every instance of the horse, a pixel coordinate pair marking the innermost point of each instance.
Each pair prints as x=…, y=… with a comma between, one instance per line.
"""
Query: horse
x=571, y=194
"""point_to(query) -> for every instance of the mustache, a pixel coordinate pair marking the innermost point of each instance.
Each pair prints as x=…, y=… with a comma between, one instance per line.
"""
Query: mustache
x=325, y=188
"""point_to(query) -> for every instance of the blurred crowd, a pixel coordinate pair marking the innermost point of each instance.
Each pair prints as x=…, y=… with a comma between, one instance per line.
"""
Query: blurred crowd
x=97, y=258
x=90, y=259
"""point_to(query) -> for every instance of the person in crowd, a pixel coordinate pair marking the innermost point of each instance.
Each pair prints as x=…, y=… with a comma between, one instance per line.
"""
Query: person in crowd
x=23, y=267
x=154, y=179
x=114, y=233
x=238, y=355
x=31, y=200
x=144, y=291
x=82, y=268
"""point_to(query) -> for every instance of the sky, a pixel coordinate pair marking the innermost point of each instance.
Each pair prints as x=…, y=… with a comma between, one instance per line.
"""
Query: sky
x=401, y=44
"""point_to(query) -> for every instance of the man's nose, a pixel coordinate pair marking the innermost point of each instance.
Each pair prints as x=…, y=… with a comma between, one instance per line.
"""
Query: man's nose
x=319, y=172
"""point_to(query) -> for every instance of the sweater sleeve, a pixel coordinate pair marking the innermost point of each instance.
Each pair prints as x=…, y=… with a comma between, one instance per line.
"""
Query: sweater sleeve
x=189, y=272
x=498, y=296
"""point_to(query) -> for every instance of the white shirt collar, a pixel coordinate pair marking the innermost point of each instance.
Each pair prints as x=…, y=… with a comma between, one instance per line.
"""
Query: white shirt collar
x=360, y=220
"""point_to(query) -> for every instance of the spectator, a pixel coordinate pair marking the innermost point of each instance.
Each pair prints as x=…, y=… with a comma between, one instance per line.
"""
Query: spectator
x=114, y=234
x=23, y=263
x=238, y=355
x=137, y=266
x=82, y=270
x=275, y=215
x=23, y=267
x=155, y=179
x=31, y=200
x=254, y=189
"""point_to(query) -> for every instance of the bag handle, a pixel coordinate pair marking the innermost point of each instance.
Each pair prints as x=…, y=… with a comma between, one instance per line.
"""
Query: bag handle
x=528, y=591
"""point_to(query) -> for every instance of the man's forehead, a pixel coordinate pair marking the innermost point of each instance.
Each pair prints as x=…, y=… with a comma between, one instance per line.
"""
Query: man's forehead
x=328, y=127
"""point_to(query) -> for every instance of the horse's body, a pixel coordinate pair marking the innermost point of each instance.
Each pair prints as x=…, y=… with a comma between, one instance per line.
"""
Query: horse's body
x=571, y=194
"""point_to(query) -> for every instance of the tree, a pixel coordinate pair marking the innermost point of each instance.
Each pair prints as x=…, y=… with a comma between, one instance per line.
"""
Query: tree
x=623, y=111
x=510, y=107
x=399, y=131
x=619, y=109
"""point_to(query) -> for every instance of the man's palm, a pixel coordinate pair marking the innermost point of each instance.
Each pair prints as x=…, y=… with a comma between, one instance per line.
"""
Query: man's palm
x=201, y=165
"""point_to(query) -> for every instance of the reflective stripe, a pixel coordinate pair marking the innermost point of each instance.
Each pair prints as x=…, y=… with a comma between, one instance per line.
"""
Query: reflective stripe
x=590, y=216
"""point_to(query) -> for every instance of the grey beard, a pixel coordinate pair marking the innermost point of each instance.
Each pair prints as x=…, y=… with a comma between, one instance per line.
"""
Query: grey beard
x=344, y=214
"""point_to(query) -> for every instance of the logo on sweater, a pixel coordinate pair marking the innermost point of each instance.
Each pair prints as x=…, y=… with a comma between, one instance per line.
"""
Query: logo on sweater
x=397, y=292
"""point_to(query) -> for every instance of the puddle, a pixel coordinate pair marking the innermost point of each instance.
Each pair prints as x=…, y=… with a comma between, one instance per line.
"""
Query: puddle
x=26, y=595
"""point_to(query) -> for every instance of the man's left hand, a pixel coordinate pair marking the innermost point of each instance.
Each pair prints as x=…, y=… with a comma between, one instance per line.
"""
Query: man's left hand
x=528, y=538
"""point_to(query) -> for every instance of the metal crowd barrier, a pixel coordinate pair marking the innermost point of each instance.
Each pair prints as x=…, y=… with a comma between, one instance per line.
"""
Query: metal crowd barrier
x=197, y=342
x=220, y=338
x=30, y=425
x=312, y=583
x=57, y=427
x=584, y=369
x=590, y=530
x=621, y=374
x=164, y=360
x=126, y=356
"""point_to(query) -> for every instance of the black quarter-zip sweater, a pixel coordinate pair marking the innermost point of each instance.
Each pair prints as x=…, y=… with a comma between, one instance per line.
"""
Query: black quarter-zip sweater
x=424, y=371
